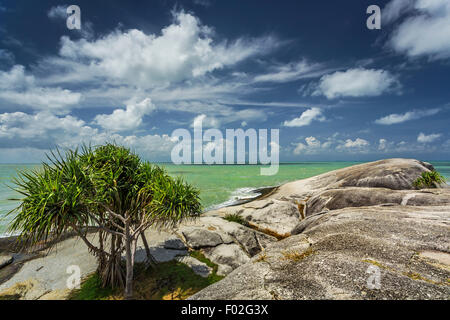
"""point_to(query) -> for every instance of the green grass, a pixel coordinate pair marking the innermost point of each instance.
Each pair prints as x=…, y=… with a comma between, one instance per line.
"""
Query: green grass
x=91, y=289
x=213, y=277
x=236, y=218
x=168, y=281
x=429, y=180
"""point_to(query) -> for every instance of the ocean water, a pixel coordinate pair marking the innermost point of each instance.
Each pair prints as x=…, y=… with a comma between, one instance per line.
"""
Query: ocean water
x=219, y=185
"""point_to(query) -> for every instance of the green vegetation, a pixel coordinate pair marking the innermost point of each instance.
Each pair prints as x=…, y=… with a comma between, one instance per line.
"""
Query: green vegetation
x=167, y=281
x=213, y=277
x=107, y=189
x=429, y=180
x=92, y=289
x=236, y=218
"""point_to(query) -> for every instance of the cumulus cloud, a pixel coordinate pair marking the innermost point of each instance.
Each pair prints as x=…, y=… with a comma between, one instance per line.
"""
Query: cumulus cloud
x=312, y=145
x=305, y=119
x=128, y=119
x=425, y=32
x=184, y=50
x=44, y=131
x=203, y=121
x=382, y=144
x=410, y=115
x=357, y=143
x=19, y=88
x=423, y=138
x=357, y=82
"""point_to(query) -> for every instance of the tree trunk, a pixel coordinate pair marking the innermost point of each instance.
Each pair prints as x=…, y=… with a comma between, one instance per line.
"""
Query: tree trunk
x=129, y=260
x=150, y=260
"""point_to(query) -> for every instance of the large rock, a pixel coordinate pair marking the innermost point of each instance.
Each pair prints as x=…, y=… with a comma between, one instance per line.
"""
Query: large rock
x=40, y=276
x=228, y=257
x=250, y=240
x=227, y=244
x=197, y=237
x=280, y=211
x=340, y=254
x=361, y=197
x=277, y=218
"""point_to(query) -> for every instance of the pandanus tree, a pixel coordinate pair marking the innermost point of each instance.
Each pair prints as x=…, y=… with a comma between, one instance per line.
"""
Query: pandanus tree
x=109, y=198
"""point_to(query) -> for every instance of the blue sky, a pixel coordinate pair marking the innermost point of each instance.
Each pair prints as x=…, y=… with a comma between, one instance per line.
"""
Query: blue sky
x=138, y=70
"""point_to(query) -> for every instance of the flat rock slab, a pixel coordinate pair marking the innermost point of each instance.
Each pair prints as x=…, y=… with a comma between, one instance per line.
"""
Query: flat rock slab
x=197, y=237
x=51, y=272
x=5, y=259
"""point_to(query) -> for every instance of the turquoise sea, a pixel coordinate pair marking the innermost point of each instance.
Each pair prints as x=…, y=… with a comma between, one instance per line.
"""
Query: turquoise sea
x=219, y=185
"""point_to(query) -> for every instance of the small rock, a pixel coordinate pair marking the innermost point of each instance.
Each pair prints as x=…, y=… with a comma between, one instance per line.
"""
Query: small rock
x=6, y=260
x=198, y=267
x=200, y=238
x=174, y=243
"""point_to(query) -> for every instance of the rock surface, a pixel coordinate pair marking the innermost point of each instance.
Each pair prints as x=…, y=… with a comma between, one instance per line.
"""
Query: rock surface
x=352, y=225
x=359, y=197
x=336, y=255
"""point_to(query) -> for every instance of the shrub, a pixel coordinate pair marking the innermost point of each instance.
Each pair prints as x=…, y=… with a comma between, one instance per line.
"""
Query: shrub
x=236, y=218
x=429, y=179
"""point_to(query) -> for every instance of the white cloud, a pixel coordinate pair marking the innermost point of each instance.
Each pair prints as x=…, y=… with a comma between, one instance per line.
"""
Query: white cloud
x=305, y=119
x=42, y=126
x=184, y=50
x=395, y=9
x=292, y=71
x=313, y=145
x=410, y=115
x=426, y=32
x=357, y=143
x=57, y=12
x=44, y=131
x=382, y=144
x=423, y=138
x=358, y=82
x=19, y=88
x=203, y=121
x=128, y=119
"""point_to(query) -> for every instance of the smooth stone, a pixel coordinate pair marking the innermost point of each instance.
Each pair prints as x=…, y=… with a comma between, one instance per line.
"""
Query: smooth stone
x=6, y=260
